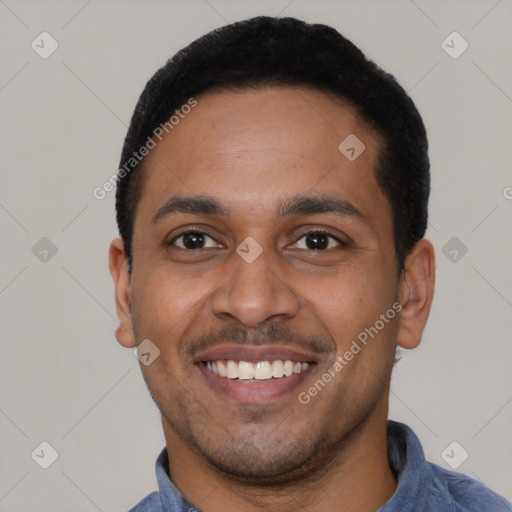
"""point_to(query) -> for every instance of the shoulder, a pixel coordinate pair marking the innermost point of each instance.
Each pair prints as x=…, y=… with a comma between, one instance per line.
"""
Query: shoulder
x=425, y=486
x=151, y=503
x=464, y=493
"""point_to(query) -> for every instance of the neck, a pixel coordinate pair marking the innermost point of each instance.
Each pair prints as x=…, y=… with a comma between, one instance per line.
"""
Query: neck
x=359, y=478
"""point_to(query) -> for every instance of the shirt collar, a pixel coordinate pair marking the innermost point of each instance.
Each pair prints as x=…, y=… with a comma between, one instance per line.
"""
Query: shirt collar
x=171, y=498
x=413, y=472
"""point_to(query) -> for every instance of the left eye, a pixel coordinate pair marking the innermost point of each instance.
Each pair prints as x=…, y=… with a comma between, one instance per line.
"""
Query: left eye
x=317, y=240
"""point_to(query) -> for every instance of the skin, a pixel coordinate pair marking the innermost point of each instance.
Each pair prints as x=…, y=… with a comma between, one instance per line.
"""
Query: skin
x=250, y=150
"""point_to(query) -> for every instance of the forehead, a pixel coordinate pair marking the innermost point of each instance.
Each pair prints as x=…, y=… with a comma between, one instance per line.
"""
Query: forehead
x=251, y=148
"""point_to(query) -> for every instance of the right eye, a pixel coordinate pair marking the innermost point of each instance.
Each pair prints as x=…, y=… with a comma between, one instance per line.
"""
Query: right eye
x=191, y=240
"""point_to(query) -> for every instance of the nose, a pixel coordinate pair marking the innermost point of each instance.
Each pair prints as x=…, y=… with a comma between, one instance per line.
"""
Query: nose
x=254, y=293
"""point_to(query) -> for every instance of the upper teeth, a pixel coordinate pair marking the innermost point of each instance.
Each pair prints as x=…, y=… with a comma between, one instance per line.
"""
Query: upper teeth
x=245, y=370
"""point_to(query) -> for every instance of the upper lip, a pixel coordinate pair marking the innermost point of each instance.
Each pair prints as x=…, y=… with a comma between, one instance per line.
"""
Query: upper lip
x=252, y=353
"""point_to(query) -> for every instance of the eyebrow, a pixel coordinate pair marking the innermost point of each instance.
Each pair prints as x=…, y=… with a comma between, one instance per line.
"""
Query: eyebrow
x=195, y=205
x=298, y=205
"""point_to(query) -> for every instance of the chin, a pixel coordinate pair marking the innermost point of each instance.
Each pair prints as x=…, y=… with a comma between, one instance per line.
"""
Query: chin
x=262, y=467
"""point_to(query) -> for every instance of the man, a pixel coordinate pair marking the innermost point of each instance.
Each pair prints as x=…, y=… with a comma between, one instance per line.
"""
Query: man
x=272, y=202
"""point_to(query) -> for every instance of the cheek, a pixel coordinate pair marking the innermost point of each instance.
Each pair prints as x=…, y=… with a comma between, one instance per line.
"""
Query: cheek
x=350, y=301
x=162, y=301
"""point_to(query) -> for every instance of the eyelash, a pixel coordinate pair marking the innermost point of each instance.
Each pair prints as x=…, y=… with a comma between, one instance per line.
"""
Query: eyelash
x=300, y=236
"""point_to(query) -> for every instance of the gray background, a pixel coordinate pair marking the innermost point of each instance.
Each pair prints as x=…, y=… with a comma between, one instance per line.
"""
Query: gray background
x=64, y=378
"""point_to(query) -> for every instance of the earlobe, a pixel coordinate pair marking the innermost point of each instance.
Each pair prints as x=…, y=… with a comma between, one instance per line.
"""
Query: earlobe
x=119, y=271
x=416, y=291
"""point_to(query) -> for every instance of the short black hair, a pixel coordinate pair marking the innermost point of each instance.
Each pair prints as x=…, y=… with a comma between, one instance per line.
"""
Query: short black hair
x=266, y=51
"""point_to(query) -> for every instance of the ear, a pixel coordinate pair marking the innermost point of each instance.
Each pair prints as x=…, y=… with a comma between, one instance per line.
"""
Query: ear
x=416, y=291
x=119, y=270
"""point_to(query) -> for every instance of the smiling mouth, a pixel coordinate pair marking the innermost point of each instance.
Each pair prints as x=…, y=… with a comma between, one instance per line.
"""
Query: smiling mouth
x=257, y=371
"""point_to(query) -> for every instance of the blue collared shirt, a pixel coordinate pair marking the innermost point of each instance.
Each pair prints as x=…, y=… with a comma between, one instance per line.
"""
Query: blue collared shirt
x=422, y=486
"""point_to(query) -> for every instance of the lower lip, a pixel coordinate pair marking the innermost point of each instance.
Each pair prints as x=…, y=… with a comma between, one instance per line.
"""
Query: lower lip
x=253, y=391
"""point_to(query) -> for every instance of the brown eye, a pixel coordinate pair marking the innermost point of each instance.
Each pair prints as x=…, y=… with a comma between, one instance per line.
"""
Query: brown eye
x=318, y=241
x=192, y=240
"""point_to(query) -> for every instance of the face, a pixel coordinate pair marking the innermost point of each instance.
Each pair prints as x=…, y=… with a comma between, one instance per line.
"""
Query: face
x=260, y=254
